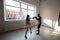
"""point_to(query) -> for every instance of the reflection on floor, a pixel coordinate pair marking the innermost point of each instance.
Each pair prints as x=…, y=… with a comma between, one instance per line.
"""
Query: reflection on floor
x=45, y=34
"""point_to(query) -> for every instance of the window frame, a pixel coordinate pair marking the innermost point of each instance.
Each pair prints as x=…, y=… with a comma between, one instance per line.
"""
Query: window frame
x=5, y=18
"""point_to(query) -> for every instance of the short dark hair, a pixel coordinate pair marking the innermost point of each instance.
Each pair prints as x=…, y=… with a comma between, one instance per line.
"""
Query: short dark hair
x=38, y=14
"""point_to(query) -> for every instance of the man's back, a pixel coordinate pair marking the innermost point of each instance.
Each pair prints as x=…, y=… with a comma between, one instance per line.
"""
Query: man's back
x=39, y=20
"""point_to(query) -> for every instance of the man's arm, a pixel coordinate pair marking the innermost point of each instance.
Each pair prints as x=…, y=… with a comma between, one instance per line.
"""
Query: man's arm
x=36, y=18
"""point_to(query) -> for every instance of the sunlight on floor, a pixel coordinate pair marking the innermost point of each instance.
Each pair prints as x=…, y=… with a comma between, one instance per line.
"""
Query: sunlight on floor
x=56, y=33
x=57, y=28
x=48, y=22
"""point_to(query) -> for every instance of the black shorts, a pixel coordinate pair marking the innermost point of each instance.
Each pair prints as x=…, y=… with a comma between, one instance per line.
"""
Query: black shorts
x=39, y=25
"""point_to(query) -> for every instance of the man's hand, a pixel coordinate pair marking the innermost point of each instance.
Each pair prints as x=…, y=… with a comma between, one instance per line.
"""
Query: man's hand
x=34, y=17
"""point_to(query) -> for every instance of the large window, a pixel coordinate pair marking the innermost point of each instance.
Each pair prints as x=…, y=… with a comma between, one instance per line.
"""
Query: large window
x=31, y=10
x=14, y=10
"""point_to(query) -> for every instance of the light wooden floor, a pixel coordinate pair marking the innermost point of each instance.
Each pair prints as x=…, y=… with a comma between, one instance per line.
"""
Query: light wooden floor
x=45, y=34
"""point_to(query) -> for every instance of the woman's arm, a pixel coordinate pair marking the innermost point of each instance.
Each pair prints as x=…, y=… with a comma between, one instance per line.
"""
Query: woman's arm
x=36, y=18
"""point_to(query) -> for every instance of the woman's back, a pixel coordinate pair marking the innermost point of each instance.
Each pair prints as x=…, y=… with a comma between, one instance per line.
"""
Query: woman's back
x=28, y=19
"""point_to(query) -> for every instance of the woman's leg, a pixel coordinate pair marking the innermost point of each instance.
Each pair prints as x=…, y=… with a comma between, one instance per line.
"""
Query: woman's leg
x=26, y=33
x=30, y=30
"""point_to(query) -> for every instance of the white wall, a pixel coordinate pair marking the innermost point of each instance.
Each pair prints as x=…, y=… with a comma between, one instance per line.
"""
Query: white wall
x=49, y=10
x=1, y=15
x=6, y=25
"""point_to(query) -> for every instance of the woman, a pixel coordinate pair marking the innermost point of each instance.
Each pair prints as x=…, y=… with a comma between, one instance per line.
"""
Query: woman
x=28, y=25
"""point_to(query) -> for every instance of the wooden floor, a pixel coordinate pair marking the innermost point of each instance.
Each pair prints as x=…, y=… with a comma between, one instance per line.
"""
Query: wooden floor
x=45, y=34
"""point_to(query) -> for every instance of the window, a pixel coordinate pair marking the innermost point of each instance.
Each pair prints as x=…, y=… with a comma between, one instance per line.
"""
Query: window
x=23, y=10
x=30, y=7
x=23, y=5
x=14, y=10
x=31, y=11
x=12, y=3
x=23, y=13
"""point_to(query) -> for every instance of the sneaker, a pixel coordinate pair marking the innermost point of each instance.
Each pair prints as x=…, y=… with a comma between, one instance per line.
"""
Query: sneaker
x=25, y=36
x=37, y=33
x=31, y=32
x=36, y=30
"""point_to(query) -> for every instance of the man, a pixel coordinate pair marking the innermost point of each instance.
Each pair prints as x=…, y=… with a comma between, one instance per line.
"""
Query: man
x=39, y=22
x=59, y=20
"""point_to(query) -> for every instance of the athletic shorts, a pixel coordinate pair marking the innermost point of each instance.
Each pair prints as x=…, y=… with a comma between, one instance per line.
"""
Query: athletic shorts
x=28, y=25
x=39, y=25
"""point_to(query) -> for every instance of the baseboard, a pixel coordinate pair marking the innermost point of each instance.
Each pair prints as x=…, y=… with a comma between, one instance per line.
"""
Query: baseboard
x=48, y=26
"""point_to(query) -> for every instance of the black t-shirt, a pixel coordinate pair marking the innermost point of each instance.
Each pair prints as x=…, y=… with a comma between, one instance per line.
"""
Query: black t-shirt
x=39, y=20
x=28, y=21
